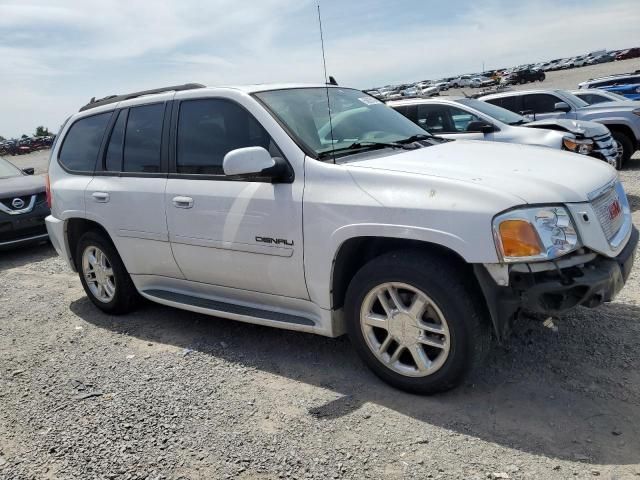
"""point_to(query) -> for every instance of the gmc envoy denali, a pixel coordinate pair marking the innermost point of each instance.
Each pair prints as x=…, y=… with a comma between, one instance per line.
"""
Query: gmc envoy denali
x=254, y=204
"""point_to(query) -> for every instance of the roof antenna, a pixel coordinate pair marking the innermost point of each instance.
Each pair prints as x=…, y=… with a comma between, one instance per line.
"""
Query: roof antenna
x=331, y=80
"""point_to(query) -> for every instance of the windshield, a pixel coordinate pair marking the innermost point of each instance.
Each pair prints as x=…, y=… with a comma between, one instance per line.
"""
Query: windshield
x=577, y=101
x=501, y=114
x=8, y=169
x=356, y=118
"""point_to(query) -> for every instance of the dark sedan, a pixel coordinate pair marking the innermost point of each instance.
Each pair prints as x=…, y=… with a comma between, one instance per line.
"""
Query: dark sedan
x=23, y=206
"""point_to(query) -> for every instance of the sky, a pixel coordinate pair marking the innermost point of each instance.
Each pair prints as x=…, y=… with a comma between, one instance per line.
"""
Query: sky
x=57, y=54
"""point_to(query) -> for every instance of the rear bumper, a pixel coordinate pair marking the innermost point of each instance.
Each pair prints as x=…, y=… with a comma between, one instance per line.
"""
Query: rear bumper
x=555, y=292
x=56, y=229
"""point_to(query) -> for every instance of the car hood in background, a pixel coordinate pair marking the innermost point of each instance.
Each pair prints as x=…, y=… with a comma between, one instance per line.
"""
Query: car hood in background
x=533, y=174
x=611, y=106
x=580, y=128
x=20, y=186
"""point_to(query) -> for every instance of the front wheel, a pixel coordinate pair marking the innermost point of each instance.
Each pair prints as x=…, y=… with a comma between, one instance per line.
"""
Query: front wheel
x=416, y=321
x=625, y=146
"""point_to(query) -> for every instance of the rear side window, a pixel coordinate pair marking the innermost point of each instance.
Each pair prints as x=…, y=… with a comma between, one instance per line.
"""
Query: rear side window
x=81, y=145
x=592, y=98
x=512, y=103
x=143, y=139
x=208, y=129
x=113, y=158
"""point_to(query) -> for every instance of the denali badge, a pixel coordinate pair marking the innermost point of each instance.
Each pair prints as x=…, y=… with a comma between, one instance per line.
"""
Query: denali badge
x=275, y=241
x=17, y=203
x=614, y=209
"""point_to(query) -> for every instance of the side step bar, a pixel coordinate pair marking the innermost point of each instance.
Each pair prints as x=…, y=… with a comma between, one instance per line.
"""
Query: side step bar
x=229, y=310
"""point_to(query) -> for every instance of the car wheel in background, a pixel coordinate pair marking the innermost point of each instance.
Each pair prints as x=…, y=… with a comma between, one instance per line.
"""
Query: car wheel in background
x=416, y=321
x=626, y=145
x=103, y=275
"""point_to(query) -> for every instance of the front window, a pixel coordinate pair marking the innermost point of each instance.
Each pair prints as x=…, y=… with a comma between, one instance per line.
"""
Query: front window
x=8, y=169
x=501, y=114
x=356, y=119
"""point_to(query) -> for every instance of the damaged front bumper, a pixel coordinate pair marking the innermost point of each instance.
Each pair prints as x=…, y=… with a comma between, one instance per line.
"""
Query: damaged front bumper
x=552, y=292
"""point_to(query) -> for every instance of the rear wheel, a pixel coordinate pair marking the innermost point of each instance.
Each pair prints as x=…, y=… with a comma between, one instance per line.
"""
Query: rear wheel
x=415, y=321
x=103, y=275
x=625, y=146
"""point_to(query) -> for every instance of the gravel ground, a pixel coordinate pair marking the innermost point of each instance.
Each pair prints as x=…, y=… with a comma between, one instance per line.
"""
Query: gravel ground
x=163, y=393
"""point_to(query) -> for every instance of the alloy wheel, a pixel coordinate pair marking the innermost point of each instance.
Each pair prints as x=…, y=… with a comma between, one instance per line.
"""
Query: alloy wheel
x=98, y=273
x=404, y=329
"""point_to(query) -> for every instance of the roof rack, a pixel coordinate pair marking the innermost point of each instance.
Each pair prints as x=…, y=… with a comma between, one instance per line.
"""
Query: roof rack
x=93, y=103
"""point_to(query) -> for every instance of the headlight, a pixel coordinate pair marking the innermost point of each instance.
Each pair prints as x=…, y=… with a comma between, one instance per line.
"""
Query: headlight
x=583, y=147
x=533, y=234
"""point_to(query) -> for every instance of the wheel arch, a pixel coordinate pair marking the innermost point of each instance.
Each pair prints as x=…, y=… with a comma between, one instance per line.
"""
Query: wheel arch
x=624, y=129
x=74, y=229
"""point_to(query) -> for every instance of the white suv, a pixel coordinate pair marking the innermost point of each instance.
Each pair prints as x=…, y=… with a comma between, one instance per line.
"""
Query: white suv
x=252, y=203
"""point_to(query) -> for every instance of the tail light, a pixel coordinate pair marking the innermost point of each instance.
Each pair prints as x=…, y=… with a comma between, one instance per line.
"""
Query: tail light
x=47, y=186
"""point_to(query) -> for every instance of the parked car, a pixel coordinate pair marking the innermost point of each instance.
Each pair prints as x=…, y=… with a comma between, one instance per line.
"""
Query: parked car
x=578, y=61
x=621, y=118
x=598, y=95
x=482, y=82
x=523, y=76
x=629, y=91
x=471, y=119
x=442, y=85
x=23, y=206
x=600, y=59
x=461, y=81
x=628, y=53
x=361, y=222
x=611, y=80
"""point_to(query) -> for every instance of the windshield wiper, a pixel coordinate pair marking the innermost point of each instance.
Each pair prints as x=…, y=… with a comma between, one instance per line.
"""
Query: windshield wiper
x=361, y=146
x=415, y=138
x=519, y=122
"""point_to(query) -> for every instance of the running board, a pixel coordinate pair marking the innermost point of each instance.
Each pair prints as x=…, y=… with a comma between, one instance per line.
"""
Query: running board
x=230, y=310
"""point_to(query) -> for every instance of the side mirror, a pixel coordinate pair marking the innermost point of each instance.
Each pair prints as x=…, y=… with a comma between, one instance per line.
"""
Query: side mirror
x=29, y=171
x=255, y=162
x=562, y=107
x=483, y=127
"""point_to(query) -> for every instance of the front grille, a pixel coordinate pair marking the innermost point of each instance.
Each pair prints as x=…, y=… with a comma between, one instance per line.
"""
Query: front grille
x=605, y=208
x=7, y=202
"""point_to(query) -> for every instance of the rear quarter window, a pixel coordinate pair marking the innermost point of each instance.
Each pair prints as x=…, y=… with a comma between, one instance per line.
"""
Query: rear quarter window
x=81, y=145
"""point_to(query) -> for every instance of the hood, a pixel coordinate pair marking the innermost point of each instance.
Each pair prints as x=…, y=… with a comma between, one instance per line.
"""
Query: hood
x=21, y=185
x=533, y=174
x=619, y=105
x=580, y=128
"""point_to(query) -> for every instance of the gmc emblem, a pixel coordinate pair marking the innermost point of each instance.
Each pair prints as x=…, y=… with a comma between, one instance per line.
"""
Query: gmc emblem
x=614, y=209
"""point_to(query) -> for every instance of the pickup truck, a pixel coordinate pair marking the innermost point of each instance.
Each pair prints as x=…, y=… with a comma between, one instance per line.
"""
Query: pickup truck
x=621, y=118
x=261, y=204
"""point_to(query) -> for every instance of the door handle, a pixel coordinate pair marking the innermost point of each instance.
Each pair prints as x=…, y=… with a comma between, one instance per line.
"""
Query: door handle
x=183, y=202
x=100, y=197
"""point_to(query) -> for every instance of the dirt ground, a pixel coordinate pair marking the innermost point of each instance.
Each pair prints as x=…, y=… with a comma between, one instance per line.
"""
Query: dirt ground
x=163, y=393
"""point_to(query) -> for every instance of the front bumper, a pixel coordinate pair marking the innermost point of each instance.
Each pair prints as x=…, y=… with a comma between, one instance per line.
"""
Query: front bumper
x=556, y=291
x=23, y=228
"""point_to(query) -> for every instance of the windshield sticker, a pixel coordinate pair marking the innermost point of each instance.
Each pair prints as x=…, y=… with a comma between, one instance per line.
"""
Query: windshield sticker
x=369, y=100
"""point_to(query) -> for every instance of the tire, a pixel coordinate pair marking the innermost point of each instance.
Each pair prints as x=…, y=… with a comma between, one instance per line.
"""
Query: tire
x=626, y=143
x=456, y=312
x=124, y=295
x=522, y=81
x=455, y=85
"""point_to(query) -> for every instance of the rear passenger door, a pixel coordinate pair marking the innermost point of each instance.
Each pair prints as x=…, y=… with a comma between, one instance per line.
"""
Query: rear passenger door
x=225, y=231
x=126, y=195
